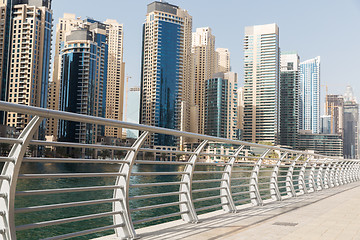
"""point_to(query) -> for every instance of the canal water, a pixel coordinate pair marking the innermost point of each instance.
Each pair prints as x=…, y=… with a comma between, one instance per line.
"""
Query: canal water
x=33, y=184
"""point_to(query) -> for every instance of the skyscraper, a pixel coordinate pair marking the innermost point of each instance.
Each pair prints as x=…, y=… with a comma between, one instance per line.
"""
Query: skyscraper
x=222, y=56
x=166, y=70
x=240, y=111
x=261, y=88
x=221, y=106
x=28, y=72
x=310, y=95
x=289, y=98
x=65, y=24
x=351, y=125
x=83, y=81
x=203, y=48
x=115, y=76
x=5, y=41
x=114, y=72
x=334, y=107
x=349, y=94
x=325, y=124
x=351, y=130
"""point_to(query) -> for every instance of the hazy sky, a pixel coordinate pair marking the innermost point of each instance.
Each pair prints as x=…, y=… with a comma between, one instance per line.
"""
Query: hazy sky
x=326, y=28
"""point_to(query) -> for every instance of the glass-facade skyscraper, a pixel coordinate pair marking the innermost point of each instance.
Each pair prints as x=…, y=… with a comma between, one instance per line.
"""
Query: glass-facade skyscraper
x=261, y=88
x=221, y=106
x=166, y=70
x=289, y=99
x=83, y=81
x=351, y=130
x=310, y=95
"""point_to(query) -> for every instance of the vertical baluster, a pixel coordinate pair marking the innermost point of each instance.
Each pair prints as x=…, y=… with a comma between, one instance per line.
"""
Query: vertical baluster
x=11, y=170
x=190, y=214
x=226, y=177
x=127, y=231
x=254, y=187
x=274, y=186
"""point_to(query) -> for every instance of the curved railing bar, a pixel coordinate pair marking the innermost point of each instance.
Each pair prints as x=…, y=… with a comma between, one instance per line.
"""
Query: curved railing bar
x=254, y=181
x=226, y=183
x=302, y=186
x=274, y=186
x=11, y=169
x=187, y=205
x=124, y=219
x=289, y=178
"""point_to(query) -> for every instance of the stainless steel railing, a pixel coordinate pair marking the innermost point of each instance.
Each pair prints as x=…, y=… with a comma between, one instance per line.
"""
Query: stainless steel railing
x=122, y=194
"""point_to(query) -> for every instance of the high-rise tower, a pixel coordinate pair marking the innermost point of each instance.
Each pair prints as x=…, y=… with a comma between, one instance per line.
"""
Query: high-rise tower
x=5, y=41
x=221, y=106
x=222, y=57
x=289, y=98
x=83, y=81
x=334, y=107
x=310, y=95
x=67, y=23
x=115, y=76
x=28, y=72
x=203, y=48
x=166, y=70
x=261, y=88
x=114, y=72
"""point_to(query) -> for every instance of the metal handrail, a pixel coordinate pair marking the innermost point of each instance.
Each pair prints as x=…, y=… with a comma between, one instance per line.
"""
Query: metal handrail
x=196, y=185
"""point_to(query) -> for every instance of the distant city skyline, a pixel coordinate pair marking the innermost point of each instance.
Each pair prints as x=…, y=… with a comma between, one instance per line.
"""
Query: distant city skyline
x=309, y=31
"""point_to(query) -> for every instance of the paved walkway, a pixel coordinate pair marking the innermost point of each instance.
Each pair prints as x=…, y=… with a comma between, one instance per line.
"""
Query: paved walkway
x=329, y=214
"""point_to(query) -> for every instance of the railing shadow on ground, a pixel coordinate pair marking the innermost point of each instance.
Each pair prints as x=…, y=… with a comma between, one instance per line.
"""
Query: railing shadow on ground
x=226, y=224
x=60, y=197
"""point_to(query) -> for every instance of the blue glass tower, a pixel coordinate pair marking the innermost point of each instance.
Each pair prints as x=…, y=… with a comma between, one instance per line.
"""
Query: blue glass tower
x=163, y=85
x=83, y=81
x=310, y=95
x=220, y=106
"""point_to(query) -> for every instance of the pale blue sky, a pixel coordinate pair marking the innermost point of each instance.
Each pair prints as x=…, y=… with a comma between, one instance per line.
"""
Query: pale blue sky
x=326, y=28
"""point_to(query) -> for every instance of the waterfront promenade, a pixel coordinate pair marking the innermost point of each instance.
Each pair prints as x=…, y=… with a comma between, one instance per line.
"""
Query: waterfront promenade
x=329, y=214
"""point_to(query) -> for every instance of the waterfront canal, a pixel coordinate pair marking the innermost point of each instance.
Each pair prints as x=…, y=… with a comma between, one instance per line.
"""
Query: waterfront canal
x=33, y=184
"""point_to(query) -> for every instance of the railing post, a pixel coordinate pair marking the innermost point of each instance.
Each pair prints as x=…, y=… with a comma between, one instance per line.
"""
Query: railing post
x=351, y=172
x=302, y=186
x=356, y=173
x=333, y=174
x=326, y=175
x=126, y=231
x=11, y=172
x=254, y=187
x=319, y=179
x=185, y=196
x=312, y=185
x=290, y=190
x=344, y=173
x=274, y=186
x=341, y=173
x=226, y=183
